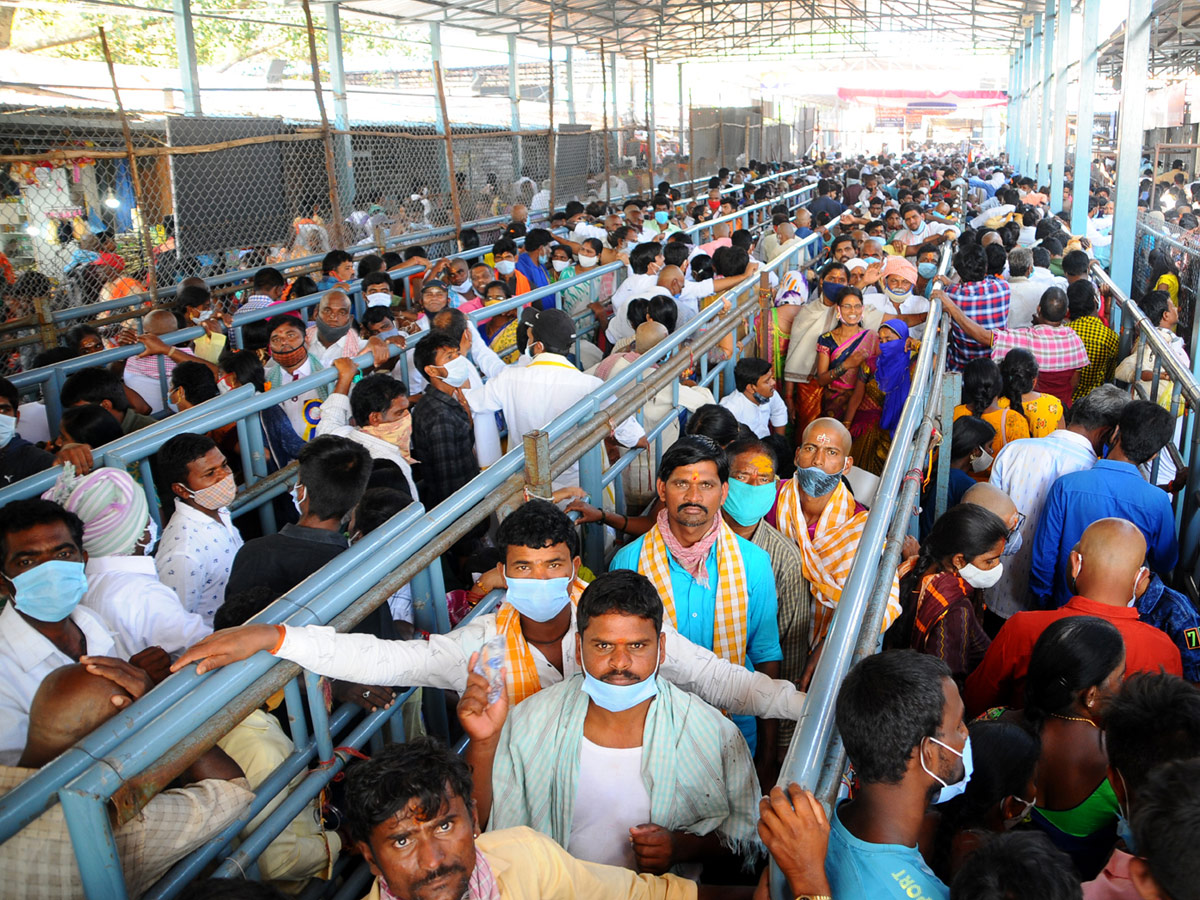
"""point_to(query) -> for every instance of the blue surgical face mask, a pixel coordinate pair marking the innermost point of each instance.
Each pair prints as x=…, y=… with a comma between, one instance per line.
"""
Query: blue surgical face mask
x=1013, y=544
x=870, y=260
x=748, y=503
x=619, y=697
x=832, y=291
x=51, y=591
x=8, y=427
x=661, y=216
x=926, y=269
x=817, y=482
x=539, y=599
x=952, y=790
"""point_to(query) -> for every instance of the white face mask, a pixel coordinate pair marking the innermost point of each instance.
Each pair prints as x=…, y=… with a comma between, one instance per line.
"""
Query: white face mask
x=458, y=372
x=981, y=579
x=981, y=462
x=379, y=298
x=560, y=264
x=464, y=288
x=295, y=492
x=506, y=266
x=1137, y=578
x=586, y=262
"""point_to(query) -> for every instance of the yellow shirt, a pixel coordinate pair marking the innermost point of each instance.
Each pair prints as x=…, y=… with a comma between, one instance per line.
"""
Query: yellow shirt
x=527, y=865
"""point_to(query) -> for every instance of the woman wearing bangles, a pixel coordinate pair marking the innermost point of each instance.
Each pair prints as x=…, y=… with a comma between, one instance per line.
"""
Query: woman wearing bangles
x=845, y=357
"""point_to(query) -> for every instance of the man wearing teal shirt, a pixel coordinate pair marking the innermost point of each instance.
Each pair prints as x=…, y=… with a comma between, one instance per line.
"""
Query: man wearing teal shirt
x=901, y=720
x=718, y=589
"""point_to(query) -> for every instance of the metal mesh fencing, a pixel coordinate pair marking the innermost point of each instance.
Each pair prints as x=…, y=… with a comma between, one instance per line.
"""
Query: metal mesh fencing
x=1182, y=248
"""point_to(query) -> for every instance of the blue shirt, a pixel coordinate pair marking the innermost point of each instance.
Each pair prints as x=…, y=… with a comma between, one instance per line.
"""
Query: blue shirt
x=858, y=870
x=1075, y=501
x=827, y=205
x=328, y=283
x=696, y=607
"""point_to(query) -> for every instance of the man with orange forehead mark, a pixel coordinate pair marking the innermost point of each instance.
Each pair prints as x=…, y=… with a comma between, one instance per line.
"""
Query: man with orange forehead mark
x=818, y=512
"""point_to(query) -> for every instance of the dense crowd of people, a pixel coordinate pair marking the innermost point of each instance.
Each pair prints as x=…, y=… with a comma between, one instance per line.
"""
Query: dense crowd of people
x=1029, y=727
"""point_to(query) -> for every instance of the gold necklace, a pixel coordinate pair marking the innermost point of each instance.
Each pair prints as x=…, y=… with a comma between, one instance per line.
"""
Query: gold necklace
x=1075, y=719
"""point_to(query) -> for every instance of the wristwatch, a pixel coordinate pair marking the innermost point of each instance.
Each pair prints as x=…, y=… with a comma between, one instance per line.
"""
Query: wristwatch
x=814, y=897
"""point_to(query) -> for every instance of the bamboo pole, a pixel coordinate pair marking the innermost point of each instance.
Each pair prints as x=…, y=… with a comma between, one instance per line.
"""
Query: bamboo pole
x=607, y=136
x=335, y=230
x=550, y=53
x=134, y=175
x=441, y=90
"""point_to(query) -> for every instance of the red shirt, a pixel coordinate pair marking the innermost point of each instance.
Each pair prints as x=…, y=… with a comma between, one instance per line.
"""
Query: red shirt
x=1000, y=678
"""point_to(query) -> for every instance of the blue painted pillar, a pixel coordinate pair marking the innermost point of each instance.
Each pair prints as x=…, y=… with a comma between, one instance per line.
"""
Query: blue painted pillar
x=1135, y=73
x=1088, y=58
x=514, y=103
x=185, y=53
x=1035, y=95
x=1047, y=63
x=1058, y=132
x=344, y=156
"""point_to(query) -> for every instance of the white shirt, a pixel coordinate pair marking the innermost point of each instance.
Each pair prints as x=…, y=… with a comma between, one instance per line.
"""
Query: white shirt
x=1028, y=236
x=532, y=396
x=148, y=387
x=688, y=302
x=142, y=611
x=295, y=407
x=912, y=305
x=1046, y=278
x=335, y=419
x=26, y=657
x=610, y=798
x=336, y=350
x=633, y=286
x=441, y=662
x=32, y=423
x=584, y=230
x=758, y=417
x=1025, y=470
x=927, y=231
x=194, y=557
x=1026, y=295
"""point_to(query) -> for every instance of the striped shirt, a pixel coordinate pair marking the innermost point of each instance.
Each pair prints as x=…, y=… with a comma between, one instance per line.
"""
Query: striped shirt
x=985, y=302
x=795, y=609
x=1025, y=470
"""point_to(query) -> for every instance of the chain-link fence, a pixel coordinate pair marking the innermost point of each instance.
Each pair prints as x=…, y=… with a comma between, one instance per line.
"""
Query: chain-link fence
x=1175, y=268
x=99, y=203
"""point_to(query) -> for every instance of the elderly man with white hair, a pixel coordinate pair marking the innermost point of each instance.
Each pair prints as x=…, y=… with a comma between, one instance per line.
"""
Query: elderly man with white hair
x=122, y=582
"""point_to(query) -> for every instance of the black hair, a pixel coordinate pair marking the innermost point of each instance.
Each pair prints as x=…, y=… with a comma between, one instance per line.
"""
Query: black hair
x=621, y=591
x=286, y=320
x=172, y=460
x=714, y=422
x=1081, y=299
x=239, y=608
x=748, y=370
x=377, y=277
x=333, y=259
x=371, y=264
x=1155, y=305
x=94, y=385
x=1166, y=826
x=675, y=253
x=422, y=769
x=741, y=238
x=691, y=450
x=537, y=524
x=334, y=471
x=752, y=444
x=9, y=392
x=997, y=259
x=378, y=504
x=729, y=262
x=373, y=394
x=1018, y=864
x=425, y=354
x=636, y=311
x=702, y=267
x=840, y=239
x=1006, y=757
x=197, y=381
x=1145, y=428
x=267, y=278
x=967, y=528
x=982, y=384
x=73, y=338
x=1053, y=305
x=643, y=256
x=1154, y=719
x=971, y=263
x=376, y=314
x=452, y=321
x=196, y=296
x=1076, y=263
x=887, y=704
x=1019, y=369
x=21, y=515
x=468, y=238
x=1161, y=264
x=537, y=238
x=245, y=366
x=664, y=311
x=1041, y=257
x=970, y=432
x=502, y=246
x=1070, y=656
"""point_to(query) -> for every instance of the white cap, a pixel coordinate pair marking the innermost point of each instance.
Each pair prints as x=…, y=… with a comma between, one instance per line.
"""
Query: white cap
x=856, y=263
